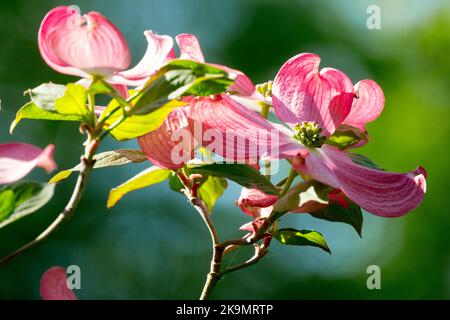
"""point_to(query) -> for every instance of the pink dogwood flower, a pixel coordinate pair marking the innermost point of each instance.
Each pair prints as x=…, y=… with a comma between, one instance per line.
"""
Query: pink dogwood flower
x=53, y=285
x=159, y=145
x=90, y=45
x=18, y=159
x=313, y=104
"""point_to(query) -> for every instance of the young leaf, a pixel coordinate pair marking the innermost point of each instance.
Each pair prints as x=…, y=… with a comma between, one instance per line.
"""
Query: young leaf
x=148, y=177
x=137, y=125
x=240, y=173
x=21, y=199
x=106, y=159
x=6, y=204
x=32, y=111
x=45, y=95
x=351, y=215
x=303, y=197
x=211, y=190
x=74, y=101
x=363, y=161
x=182, y=78
x=295, y=237
x=99, y=86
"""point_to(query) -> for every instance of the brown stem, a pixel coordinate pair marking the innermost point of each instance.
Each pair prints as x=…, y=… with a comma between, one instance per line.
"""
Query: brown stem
x=260, y=252
x=214, y=273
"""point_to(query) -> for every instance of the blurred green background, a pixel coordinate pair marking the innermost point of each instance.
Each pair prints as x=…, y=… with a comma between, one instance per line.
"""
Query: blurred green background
x=152, y=245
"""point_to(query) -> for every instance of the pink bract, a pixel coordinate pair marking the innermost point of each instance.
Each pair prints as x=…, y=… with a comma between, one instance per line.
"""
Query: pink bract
x=18, y=159
x=54, y=285
x=302, y=93
x=90, y=45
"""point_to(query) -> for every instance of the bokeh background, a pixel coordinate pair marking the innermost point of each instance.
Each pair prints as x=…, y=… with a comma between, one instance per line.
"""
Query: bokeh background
x=152, y=245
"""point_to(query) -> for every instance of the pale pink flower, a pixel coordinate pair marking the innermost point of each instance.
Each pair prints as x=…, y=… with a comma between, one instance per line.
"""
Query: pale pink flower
x=304, y=98
x=90, y=45
x=18, y=159
x=54, y=286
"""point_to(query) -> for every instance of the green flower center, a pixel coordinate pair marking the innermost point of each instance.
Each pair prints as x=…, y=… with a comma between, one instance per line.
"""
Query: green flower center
x=308, y=133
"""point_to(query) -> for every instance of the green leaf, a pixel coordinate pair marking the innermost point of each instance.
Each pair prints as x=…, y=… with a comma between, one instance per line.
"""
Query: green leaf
x=148, y=177
x=104, y=160
x=32, y=111
x=73, y=102
x=45, y=95
x=363, y=161
x=137, y=125
x=6, y=204
x=21, y=199
x=99, y=86
x=211, y=190
x=161, y=94
x=295, y=237
x=309, y=195
x=351, y=215
x=181, y=78
x=240, y=173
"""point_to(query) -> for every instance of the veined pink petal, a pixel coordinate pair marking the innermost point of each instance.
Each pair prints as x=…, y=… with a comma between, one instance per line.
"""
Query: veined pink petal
x=251, y=200
x=54, y=285
x=159, y=51
x=18, y=159
x=301, y=93
x=81, y=45
x=189, y=47
x=382, y=193
x=367, y=104
x=235, y=132
x=171, y=145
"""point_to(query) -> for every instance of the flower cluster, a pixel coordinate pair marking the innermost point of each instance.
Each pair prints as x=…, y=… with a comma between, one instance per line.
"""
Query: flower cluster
x=178, y=105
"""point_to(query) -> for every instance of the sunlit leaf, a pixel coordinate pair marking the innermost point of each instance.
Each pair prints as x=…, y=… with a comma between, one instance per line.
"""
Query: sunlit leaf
x=104, y=160
x=295, y=237
x=44, y=96
x=21, y=199
x=143, y=179
x=73, y=102
x=211, y=190
x=182, y=78
x=32, y=111
x=137, y=125
x=303, y=196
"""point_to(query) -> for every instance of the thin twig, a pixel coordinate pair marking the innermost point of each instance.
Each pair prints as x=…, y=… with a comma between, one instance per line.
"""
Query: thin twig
x=259, y=254
x=69, y=210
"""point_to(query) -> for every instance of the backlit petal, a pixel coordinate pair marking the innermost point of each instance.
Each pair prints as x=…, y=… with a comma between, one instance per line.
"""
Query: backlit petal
x=367, y=104
x=81, y=45
x=54, y=285
x=301, y=93
x=18, y=159
x=172, y=144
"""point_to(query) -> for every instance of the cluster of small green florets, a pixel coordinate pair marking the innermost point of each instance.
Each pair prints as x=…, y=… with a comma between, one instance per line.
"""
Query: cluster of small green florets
x=308, y=133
